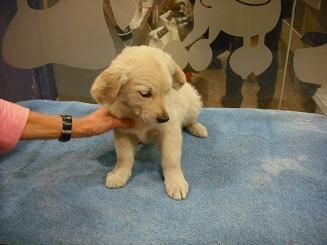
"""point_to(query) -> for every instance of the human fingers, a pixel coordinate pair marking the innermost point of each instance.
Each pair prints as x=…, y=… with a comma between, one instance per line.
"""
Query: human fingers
x=122, y=123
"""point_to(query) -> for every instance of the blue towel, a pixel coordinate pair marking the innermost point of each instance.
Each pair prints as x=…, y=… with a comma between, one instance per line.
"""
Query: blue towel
x=260, y=178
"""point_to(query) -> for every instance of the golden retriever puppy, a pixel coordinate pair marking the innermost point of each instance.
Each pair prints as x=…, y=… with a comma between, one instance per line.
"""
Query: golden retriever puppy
x=145, y=84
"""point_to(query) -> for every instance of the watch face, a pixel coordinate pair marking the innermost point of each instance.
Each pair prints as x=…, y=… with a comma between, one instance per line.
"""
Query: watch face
x=254, y=2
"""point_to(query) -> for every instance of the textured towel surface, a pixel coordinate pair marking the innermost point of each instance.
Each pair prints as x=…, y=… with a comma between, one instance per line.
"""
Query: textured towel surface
x=260, y=178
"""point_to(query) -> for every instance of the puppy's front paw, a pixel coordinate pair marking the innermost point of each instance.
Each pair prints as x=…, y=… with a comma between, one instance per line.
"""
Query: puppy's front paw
x=117, y=179
x=176, y=188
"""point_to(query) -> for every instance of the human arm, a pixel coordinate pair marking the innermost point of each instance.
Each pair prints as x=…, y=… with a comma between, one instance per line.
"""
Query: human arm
x=18, y=122
x=41, y=126
x=13, y=119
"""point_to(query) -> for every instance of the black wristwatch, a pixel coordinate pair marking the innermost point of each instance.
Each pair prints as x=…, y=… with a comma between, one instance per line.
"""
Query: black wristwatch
x=67, y=124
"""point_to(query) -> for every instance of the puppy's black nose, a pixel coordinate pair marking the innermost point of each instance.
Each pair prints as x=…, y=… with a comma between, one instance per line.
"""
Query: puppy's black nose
x=162, y=119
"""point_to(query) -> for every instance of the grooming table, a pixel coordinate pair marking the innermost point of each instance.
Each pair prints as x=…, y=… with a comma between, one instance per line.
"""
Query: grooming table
x=259, y=178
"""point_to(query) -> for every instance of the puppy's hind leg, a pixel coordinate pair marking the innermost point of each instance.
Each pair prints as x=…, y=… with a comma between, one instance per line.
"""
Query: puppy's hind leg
x=197, y=129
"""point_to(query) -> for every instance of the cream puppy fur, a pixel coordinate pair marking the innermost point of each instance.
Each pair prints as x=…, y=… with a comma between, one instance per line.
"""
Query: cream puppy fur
x=145, y=84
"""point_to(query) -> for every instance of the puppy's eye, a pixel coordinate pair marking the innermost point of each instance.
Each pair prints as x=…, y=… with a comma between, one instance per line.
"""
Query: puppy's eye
x=145, y=94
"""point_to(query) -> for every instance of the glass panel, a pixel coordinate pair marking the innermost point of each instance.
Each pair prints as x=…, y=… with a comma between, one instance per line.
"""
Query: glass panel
x=232, y=51
x=305, y=85
x=246, y=66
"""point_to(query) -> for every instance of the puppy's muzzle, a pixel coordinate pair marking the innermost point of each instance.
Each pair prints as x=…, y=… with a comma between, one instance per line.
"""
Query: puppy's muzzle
x=162, y=119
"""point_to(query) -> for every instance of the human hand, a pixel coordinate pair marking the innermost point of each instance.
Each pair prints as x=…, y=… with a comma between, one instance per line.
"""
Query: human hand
x=98, y=122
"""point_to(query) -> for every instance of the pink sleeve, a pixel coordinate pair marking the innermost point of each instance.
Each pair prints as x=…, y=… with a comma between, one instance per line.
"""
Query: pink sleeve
x=13, y=119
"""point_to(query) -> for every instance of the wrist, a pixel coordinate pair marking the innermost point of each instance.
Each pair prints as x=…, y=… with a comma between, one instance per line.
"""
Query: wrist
x=66, y=132
x=80, y=127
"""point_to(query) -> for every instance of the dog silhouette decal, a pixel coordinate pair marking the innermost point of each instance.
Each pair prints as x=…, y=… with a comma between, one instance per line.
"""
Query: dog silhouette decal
x=242, y=18
x=71, y=32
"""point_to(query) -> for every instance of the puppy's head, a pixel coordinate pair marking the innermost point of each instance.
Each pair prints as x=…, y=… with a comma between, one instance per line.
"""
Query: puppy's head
x=140, y=80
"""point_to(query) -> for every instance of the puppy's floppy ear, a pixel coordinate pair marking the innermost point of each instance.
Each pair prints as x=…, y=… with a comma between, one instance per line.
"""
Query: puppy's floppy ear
x=177, y=73
x=107, y=85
